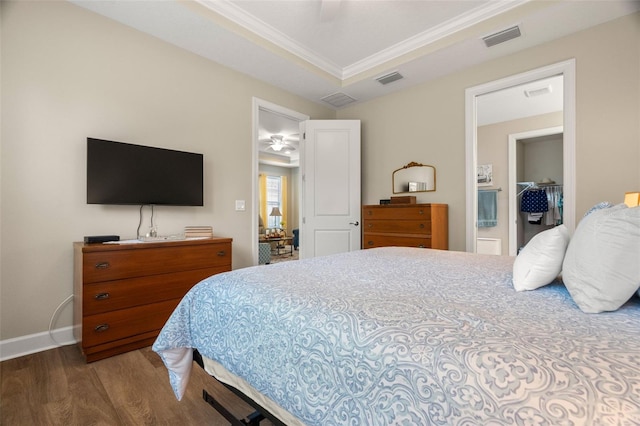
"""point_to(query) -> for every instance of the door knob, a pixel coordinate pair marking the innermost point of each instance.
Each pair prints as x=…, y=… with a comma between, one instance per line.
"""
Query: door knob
x=356, y=223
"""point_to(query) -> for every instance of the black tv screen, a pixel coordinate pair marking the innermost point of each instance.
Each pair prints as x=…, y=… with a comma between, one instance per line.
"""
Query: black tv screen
x=123, y=173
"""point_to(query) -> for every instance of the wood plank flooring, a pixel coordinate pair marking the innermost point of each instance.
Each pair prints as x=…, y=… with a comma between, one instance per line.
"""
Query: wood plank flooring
x=56, y=387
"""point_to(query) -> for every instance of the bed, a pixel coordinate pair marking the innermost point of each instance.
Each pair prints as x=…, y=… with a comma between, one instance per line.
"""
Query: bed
x=408, y=336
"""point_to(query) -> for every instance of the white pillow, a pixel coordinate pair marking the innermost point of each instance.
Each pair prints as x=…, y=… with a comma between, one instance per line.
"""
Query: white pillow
x=601, y=268
x=540, y=261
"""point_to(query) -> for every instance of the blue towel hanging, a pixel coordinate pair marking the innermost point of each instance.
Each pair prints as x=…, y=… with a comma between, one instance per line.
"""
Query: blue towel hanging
x=487, y=209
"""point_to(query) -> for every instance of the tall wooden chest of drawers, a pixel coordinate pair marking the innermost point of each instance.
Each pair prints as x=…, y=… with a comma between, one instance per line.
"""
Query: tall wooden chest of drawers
x=406, y=225
x=124, y=293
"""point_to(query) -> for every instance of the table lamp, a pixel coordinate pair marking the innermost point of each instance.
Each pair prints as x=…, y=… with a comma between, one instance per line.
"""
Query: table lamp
x=276, y=212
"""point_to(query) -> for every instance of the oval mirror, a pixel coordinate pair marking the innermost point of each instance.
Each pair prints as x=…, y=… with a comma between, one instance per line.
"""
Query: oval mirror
x=414, y=177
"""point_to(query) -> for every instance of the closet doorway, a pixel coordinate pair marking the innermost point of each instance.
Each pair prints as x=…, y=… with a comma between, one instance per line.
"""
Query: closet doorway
x=535, y=163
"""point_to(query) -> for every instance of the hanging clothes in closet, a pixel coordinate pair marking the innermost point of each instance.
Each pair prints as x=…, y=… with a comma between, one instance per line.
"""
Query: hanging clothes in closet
x=534, y=202
x=554, y=197
x=543, y=205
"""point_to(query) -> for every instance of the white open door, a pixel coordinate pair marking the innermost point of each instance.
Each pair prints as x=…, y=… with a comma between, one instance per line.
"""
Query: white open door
x=330, y=199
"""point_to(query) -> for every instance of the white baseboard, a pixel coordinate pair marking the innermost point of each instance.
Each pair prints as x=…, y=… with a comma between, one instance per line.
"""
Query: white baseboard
x=38, y=342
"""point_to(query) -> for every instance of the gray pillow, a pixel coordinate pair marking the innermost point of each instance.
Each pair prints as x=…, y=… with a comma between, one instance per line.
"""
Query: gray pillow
x=601, y=267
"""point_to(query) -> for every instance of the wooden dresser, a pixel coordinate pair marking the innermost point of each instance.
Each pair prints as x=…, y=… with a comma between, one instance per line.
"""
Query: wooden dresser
x=406, y=225
x=124, y=293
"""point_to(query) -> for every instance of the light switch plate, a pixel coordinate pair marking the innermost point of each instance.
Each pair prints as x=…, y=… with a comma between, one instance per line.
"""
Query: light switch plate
x=240, y=205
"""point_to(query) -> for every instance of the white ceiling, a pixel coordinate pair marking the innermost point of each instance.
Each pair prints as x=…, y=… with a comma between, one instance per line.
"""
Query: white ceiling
x=317, y=48
x=536, y=98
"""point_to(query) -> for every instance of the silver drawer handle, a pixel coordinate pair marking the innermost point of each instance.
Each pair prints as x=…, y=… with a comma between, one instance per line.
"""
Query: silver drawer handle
x=101, y=296
x=100, y=328
x=222, y=253
x=102, y=265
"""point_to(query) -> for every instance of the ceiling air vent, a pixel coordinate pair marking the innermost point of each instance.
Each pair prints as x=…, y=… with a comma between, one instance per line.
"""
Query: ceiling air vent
x=338, y=99
x=389, y=78
x=529, y=93
x=502, y=36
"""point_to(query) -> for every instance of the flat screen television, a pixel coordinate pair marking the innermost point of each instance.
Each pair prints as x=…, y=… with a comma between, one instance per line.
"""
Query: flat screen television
x=123, y=173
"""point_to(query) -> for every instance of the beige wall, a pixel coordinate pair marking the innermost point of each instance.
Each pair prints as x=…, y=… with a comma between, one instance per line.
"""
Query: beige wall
x=426, y=123
x=68, y=74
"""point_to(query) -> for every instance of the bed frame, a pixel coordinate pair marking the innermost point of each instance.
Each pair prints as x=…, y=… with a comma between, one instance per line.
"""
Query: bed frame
x=252, y=419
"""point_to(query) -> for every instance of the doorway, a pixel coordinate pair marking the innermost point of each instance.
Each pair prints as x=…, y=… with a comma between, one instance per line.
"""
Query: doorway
x=567, y=70
x=535, y=162
x=263, y=109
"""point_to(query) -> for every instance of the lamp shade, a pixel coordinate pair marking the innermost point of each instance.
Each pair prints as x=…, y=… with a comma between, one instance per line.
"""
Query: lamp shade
x=275, y=212
x=632, y=199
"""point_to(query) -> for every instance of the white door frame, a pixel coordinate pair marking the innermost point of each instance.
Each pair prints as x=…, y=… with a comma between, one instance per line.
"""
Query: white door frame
x=568, y=70
x=513, y=177
x=257, y=105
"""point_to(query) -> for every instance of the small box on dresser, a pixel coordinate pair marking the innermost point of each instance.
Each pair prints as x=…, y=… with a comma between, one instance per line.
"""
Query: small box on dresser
x=406, y=225
x=124, y=293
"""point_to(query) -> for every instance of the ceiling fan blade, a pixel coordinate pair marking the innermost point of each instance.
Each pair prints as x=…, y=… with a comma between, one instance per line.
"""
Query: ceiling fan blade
x=280, y=148
x=329, y=10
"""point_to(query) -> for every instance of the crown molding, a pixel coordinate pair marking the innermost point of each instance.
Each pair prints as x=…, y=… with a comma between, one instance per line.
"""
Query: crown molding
x=461, y=22
x=239, y=16
x=260, y=28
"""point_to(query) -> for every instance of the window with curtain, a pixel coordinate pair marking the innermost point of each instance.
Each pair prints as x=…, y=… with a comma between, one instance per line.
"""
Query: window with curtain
x=273, y=193
x=274, y=199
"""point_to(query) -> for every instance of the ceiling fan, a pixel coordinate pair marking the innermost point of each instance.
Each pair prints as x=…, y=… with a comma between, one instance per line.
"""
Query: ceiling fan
x=329, y=9
x=279, y=143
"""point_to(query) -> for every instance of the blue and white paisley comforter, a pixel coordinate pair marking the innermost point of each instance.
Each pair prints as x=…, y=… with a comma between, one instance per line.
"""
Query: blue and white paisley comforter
x=414, y=337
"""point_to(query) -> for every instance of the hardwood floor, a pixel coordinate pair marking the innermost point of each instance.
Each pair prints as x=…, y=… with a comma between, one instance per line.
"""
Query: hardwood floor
x=56, y=387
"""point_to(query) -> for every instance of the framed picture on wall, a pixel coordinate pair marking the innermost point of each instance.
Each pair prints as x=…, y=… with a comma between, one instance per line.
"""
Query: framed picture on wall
x=485, y=174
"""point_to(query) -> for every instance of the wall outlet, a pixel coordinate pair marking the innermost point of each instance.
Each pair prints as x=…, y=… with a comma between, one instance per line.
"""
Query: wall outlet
x=240, y=205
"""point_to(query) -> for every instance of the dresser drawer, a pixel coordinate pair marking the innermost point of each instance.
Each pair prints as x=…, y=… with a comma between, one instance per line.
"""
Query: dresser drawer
x=120, y=294
x=124, y=293
x=396, y=212
x=398, y=227
x=118, y=264
x=381, y=240
x=111, y=326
